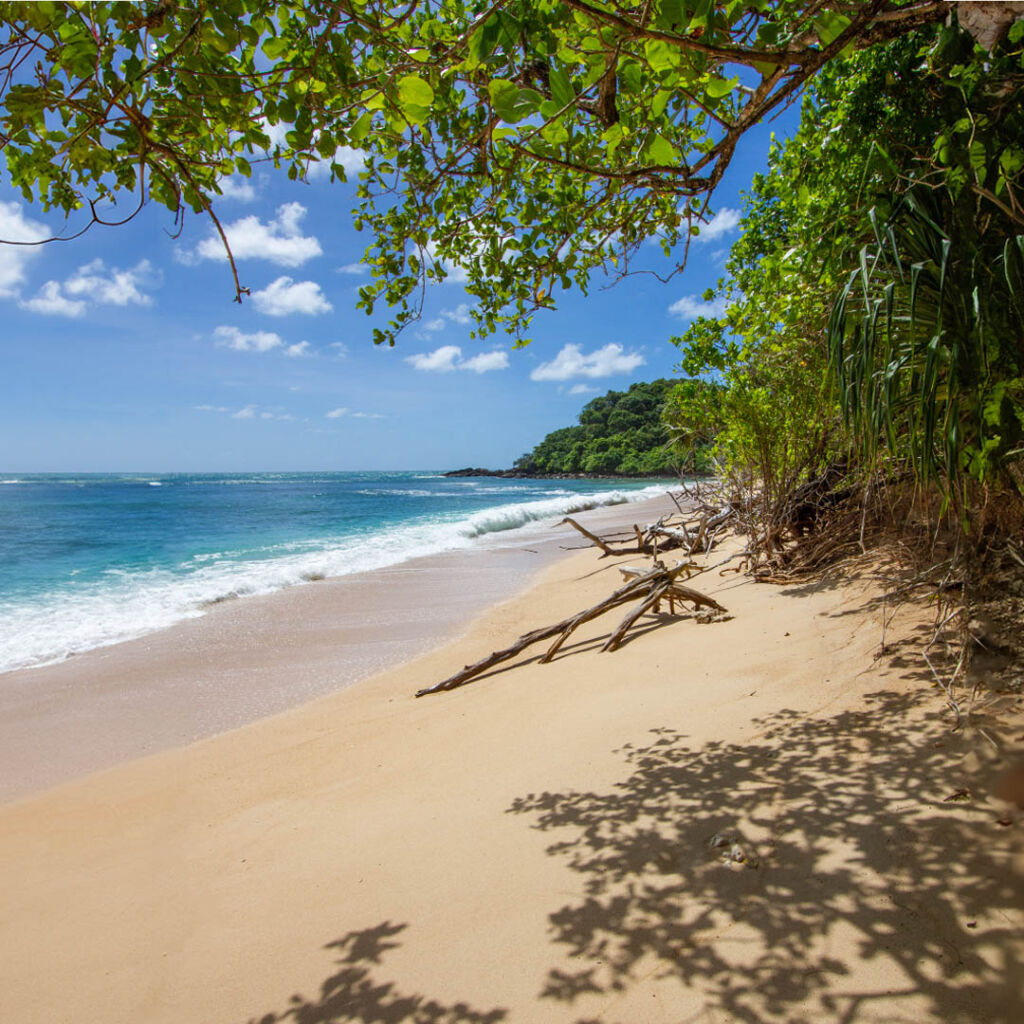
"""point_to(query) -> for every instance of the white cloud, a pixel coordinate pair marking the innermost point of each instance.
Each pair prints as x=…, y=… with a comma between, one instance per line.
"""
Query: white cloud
x=582, y=389
x=602, y=362
x=689, y=307
x=15, y=227
x=248, y=413
x=93, y=282
x=355, y=269
x=340, y=347
x=722, y=223
x=275, y=132
x=299, y=349
x=336, y=414
x=497, y=360
x=258, y=341
x=50, y=302
x=352, y=161
x=116, y=288
x=458, y=315
x=285, y=296
x=456, y=274
x=212, y=408
x=441, y=360
x=279, y=241
x=237, y=188
x=449, y=357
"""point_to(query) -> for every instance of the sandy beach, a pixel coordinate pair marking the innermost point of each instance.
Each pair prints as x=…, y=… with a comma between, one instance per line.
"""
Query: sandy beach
x=751, y=820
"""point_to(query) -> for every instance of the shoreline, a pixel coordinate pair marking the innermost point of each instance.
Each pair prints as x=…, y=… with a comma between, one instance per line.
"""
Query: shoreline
x=207, y=675
x=743, y=820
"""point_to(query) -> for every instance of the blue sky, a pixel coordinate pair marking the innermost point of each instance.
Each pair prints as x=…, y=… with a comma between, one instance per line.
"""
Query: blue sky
x=123, y=350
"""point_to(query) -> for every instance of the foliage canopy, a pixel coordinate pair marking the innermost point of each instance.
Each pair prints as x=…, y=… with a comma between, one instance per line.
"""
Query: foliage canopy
x=527, y=141
x=619, y=433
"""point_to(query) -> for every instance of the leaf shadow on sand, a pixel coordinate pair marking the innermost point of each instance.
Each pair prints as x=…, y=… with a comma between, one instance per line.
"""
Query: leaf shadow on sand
x=804, y=875
x=354, y=994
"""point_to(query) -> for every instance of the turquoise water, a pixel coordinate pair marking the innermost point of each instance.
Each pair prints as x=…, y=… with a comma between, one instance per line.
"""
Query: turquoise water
x=93, y=559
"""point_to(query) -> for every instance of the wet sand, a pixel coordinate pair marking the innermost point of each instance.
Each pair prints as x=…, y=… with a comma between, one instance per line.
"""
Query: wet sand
x=253, y=657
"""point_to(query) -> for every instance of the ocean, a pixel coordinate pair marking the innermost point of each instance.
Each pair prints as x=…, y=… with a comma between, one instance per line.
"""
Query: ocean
x=89, y=560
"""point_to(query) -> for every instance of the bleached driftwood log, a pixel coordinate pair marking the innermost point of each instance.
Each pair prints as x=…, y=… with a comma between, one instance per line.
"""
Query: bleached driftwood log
x=650, y=587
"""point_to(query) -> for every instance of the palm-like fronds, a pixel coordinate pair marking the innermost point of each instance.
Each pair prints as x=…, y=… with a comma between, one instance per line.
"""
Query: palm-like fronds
x=927, y=342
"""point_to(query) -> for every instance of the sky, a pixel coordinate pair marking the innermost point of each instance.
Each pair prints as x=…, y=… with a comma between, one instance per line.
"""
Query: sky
x=123, y=350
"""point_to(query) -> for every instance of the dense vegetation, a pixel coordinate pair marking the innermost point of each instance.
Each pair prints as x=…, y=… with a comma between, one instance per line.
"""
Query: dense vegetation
x=871, y=357
x=620, y=433
x=875, y=301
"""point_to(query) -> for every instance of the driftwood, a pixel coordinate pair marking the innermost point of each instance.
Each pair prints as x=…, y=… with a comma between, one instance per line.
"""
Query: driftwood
x=651, y=587
x=592, y=537
x=664, y=535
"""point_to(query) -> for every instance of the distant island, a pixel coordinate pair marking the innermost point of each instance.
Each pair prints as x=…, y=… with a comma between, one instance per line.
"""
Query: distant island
x=618, y=434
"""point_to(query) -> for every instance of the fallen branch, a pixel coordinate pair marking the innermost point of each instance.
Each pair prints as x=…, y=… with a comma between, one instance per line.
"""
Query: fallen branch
x=651, y=587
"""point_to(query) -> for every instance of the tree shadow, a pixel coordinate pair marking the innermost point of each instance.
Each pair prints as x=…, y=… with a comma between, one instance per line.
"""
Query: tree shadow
x=801, y=876
x=355, y=995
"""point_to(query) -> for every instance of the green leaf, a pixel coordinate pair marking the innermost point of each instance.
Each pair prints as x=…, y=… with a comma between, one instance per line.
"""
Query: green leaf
x=413, y=91
x=660, y=55
x=361, y=128
x=511, y=103
x=562, y=91
x=719, y=87
x=660, y=151
x=830, y=26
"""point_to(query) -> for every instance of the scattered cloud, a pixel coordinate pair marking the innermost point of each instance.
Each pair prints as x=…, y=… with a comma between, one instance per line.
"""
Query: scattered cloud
x=285, y=296
x=449, y=357
x=459, y=315
x=114, y=287
x=582, y=389
x=235, y=187
x=16, y=227
x=441, y=360
x=95, y=283
x=572, y=362
x=497, y=360
x=248, y=412
x=279, y=240
x=455, y=273
x=689, y=307
x=722, y=223
x=340, y=347
x=351, y=161
x=355, y=269
x=336, y=414
x=50, y=302
x=258, y=341
x=275, y=132
x=298, y=350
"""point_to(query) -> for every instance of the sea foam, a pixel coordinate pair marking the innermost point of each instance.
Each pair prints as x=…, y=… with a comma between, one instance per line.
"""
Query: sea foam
x=123, y=605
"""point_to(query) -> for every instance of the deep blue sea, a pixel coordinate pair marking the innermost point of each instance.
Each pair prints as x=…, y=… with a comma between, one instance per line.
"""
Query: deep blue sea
x=92, y=559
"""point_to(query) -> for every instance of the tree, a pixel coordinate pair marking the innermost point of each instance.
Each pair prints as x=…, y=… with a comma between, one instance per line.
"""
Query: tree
x=620, y=433
x=528, y=141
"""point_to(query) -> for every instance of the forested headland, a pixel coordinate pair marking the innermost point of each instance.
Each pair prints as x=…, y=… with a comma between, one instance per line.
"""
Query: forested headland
x=620, y=433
